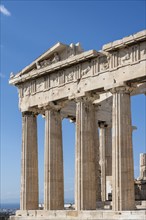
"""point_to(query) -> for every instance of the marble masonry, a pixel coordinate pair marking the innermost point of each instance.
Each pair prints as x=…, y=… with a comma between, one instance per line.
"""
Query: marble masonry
x=143, y=166
x=93, y=89
x=140, y=183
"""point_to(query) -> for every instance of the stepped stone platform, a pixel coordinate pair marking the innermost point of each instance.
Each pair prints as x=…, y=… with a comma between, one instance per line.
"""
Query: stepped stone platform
x=79, y=215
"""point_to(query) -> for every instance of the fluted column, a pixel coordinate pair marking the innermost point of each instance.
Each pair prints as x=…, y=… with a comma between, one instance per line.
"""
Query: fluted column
x=54, y=181
x=102, y=141
x=143, y=166
x=105, y=157
x=108, y=159
x=29, y=163
x=122, y=152
x=85, y=156
x=108, y=150
x=98, y=167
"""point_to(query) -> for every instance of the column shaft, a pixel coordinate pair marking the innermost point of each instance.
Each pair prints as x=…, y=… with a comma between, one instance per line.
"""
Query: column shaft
x=105, y=158
x=54, y=181
x=29, y=163
x=122, y=155
x=86, y=164
x=102, y=161
x=108, y=150
x=98, y=169
x=108, y=159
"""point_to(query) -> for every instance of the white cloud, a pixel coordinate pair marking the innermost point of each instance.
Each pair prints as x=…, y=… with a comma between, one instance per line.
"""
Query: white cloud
x=4, y=11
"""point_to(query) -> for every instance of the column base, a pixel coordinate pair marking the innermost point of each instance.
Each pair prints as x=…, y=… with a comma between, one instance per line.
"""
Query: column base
x=79, y=215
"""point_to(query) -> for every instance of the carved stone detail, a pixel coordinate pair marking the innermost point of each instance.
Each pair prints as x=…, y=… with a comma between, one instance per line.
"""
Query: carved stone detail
x=45, y=63
x=26, y=89
x=86, y=69
x=54, y=80
x=46, y=82
x=49, y=61
x=77, y=70
x=74, y=49
x=70, y=75
x=125, y=57
x=61, y=77
x=33, y=87
x=135, y=53
x=95, y=66
x=39, y=85
x=142, y=48
x=21, y=91
x=114, y=60
x=104, y=63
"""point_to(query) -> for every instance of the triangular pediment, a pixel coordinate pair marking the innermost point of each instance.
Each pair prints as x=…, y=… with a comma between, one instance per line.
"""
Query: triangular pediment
x=53, y=55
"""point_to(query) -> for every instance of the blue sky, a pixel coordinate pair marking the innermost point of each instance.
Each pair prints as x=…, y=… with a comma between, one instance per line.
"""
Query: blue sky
x=28, y=28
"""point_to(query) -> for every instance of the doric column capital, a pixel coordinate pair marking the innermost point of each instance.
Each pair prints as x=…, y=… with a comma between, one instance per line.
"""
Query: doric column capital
x=88, y=97
x=53, y=105
x=122, y=89
x=28, y=113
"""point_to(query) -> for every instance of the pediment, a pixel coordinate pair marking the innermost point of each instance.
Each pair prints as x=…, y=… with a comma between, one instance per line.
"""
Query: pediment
x=57, y=53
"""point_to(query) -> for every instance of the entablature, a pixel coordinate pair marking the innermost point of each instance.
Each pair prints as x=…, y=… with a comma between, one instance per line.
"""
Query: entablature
x=35, y=73
x=126, y=41
x=80, y=72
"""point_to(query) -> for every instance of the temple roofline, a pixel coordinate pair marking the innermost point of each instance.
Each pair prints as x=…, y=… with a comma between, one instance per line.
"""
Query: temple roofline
x=131, y=39
x=56, y=48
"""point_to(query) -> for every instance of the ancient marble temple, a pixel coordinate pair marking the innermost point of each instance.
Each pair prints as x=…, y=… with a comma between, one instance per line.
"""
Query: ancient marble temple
x=93, y=89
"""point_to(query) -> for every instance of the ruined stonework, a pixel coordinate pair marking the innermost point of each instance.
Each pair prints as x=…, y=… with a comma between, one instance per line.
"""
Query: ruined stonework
x=143, y=166
x=93, y=89
x=140, y=182
x=140, y=189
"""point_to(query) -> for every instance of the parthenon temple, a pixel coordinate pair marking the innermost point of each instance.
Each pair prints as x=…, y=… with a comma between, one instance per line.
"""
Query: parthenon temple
x=93, y=89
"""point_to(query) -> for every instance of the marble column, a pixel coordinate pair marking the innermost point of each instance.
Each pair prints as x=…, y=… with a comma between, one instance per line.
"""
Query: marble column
x=102, y=147
x=108, y=150
x=85, y=156
x=143, y=166
x=105, y=157
x=29, y=163
x=98, y=167
x=54, y=180
x=122, y=152
x=108, y=159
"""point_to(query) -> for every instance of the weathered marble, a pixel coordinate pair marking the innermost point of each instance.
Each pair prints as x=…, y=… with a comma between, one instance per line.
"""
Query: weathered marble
x=122, y=153
x=53, y=182
x=86, y=87
x=86, y=164
x=105, y=157
x=74, y=75
x=79, y=215
x=29, y=163
x=143, y=166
